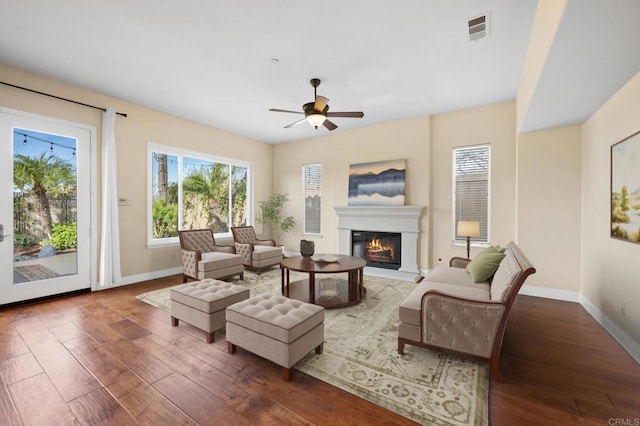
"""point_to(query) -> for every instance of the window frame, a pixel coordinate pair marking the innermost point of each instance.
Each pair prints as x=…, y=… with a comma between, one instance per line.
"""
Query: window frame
x=180, y=153
x=475, y=241
x=304, y=200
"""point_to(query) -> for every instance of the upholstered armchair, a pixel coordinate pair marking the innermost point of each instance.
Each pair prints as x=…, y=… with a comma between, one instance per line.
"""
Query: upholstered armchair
x=203, y=258
x=257, y=254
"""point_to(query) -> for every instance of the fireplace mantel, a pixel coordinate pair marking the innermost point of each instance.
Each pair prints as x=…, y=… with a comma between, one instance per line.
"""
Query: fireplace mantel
x=402, y=219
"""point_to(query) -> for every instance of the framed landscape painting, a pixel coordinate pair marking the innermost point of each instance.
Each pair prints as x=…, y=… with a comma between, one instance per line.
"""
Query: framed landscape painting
x=625, y=189
x=379, y=183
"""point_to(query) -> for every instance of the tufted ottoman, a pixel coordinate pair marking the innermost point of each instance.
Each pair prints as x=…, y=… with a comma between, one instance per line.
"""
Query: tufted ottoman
x=202, y=303
x=277, y=328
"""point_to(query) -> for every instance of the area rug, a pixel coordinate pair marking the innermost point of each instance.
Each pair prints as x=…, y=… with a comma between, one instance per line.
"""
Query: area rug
x=360, y=356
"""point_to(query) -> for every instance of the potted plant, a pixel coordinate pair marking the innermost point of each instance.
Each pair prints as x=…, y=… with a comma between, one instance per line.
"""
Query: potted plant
x=271, y=215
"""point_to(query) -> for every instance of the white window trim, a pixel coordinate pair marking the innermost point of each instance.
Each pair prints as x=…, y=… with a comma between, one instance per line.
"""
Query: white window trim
x=463, y=243
x=180, y=152
x=304, y=210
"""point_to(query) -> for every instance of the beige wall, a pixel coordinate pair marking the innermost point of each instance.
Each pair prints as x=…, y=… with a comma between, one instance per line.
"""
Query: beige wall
x=548, y=218
x=494, y=125
x=405, y=139
x=132, y=134
x=610, y=268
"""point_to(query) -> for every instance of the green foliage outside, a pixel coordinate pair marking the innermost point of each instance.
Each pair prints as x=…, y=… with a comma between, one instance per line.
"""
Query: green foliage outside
x=213, y=195
x=64, y=236
x=239, y=196
x=43, y=175
x=165, y=220
x=22, y=240
x=209, y=187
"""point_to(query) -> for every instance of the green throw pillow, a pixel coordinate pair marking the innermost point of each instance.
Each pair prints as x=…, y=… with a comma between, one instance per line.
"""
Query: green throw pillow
x=492, y=249
x=484, y=265
x=499, y=249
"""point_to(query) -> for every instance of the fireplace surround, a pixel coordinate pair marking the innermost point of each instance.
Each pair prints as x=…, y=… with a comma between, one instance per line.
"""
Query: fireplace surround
x=404, y=220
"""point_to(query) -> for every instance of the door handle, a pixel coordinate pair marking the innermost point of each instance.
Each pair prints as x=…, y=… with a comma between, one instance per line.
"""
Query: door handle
x=2, y=236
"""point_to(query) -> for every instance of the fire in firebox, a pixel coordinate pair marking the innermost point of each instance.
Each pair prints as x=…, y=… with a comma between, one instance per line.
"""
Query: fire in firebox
x=379, y=249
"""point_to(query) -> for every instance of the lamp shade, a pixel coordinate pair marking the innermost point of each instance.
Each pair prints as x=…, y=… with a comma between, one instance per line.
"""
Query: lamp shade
x=468, y=228
x=316, y=119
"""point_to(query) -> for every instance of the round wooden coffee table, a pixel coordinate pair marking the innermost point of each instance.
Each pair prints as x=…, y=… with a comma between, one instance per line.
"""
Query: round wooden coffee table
x=328, y=292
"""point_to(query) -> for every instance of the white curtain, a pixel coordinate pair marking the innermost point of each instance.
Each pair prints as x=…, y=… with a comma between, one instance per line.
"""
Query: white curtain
x=110, y=236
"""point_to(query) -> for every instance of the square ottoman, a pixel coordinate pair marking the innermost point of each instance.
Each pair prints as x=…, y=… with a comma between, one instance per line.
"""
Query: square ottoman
x=202, y=303
x=277, y=328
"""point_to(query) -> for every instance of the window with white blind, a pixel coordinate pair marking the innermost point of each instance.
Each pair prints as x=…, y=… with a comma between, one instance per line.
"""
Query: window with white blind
x=312, y=174
x=471, y=183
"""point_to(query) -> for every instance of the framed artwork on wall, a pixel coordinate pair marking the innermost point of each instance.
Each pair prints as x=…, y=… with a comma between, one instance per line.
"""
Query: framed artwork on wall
x=625, y=189
x=379, y=183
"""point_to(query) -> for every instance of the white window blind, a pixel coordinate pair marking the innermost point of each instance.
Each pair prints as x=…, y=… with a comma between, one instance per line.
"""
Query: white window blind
x=471, y=178
x=312, y=197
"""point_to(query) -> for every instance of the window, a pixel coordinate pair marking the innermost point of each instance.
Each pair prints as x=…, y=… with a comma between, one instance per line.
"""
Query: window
x=471, y=174
x=190, y=190
x=312, y=197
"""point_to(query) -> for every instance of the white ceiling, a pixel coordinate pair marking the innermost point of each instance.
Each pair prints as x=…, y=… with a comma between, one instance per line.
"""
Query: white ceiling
x=211, y=61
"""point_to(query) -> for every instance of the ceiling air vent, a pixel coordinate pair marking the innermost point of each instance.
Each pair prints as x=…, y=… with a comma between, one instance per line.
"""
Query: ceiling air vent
x=478, y=27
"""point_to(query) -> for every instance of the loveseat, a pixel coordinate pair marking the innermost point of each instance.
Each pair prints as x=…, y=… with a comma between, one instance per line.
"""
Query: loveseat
x=450, y=312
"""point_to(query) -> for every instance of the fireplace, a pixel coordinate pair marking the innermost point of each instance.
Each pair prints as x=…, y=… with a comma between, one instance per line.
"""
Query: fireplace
x=379, y=249
x=401, y=220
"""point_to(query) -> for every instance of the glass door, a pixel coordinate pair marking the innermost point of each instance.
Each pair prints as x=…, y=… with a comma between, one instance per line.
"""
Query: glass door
x=45, y=170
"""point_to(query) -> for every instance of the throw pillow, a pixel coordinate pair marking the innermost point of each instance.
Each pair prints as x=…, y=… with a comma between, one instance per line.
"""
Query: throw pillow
x=484, y=265
x=492, y=249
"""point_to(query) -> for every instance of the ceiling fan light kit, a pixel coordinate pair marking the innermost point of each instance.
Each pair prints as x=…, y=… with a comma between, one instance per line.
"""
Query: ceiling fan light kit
x=316, y=119
x=316, y=113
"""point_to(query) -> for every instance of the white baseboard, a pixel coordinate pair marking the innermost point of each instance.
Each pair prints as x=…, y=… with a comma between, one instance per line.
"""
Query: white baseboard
x=132, y=279
x=550, y=293
x=627, y=342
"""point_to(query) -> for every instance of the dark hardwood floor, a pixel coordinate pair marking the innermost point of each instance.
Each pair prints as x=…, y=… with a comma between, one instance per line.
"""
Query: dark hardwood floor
x=107, y=358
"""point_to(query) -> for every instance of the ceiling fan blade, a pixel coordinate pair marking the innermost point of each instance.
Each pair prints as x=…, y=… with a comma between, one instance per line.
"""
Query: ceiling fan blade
x=321, y=102
x=352, y=114
x=295, y=123
x=329, y=125
x=285, y=110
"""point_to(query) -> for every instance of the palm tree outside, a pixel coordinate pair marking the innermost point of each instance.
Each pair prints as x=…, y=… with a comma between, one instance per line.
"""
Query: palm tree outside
x=43, y=174
x=209, y=185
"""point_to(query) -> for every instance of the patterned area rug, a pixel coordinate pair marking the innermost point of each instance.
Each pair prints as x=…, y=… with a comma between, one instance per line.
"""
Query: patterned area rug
x=360, y=356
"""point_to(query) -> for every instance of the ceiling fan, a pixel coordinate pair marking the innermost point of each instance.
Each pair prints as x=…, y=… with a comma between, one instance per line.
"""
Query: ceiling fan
x=316, y=113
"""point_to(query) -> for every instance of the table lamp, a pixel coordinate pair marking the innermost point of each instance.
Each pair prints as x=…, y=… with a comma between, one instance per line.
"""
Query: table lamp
x=468, y=228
